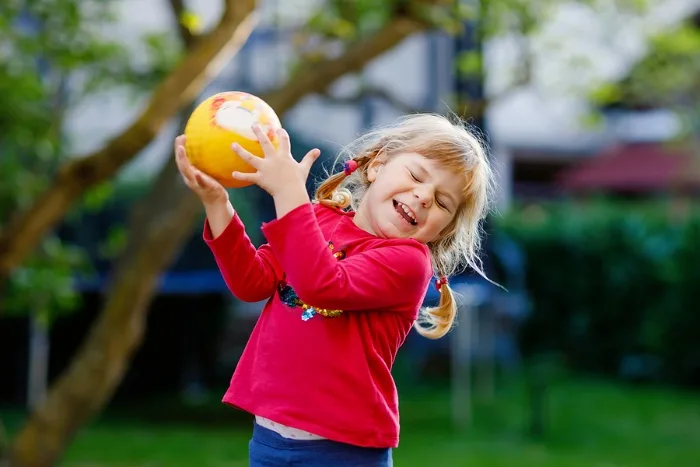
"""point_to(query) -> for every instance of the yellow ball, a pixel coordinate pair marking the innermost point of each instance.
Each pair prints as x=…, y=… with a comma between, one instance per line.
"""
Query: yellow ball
x=217, y=123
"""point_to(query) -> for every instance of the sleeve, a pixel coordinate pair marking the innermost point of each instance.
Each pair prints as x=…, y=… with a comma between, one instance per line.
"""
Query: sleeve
x=393, y=276
x=251, y=275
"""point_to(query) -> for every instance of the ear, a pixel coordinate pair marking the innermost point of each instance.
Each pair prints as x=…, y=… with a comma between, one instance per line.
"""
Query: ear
x=374, y=167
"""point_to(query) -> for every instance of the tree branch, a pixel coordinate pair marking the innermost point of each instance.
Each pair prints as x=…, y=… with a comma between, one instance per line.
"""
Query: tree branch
x=372, y=92
x=179, y=89
x=317, y=77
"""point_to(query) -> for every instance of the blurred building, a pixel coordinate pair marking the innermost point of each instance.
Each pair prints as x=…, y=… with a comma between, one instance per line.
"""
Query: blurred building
x=647, y=164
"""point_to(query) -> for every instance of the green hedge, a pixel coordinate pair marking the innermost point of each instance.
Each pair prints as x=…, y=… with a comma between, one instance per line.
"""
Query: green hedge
x=615, y=287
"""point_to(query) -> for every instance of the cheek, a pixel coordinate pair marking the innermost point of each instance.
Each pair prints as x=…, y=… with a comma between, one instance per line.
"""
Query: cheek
x=380, y=192
x=440, y=219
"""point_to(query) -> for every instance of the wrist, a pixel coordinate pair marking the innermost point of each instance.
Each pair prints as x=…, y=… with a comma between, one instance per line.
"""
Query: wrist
x=220, y=205
x=219, y=216
x=289, y=198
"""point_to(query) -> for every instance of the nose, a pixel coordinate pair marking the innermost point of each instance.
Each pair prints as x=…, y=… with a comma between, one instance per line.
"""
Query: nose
x=424, y=195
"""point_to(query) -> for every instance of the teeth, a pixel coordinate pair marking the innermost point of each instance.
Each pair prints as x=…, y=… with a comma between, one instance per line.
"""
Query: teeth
x=407, y=211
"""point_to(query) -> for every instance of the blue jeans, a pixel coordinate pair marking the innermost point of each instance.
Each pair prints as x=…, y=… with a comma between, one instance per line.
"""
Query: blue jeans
x=269, y=449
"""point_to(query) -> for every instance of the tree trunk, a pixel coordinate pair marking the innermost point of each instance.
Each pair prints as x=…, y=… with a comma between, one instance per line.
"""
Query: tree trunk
x=159, y=227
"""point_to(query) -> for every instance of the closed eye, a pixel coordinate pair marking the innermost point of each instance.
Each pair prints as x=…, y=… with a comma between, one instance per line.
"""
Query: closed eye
x=437, y=200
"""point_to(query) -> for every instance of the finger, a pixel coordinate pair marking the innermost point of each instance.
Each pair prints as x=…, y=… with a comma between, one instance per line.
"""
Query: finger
x=264, y=141
x=285, y=146
x=183, y=164
x=180, y=141
x=252, y=160
x=246, y=177
x=177, y=142
x=309, y=159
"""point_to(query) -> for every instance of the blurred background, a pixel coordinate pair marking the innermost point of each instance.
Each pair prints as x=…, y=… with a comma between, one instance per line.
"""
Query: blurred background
x=118, y=335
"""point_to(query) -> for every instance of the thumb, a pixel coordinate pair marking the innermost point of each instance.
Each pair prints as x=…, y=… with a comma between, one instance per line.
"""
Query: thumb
x=309, y=159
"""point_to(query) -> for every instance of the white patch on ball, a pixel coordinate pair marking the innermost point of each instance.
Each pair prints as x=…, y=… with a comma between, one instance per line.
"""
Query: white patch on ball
x=232, y=117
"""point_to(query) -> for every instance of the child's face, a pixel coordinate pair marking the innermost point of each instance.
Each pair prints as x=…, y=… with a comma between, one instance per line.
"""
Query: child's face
x=409, y=197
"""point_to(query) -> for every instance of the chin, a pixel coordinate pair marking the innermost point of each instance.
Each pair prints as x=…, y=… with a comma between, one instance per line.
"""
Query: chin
x=382, y=231
x=398, y=233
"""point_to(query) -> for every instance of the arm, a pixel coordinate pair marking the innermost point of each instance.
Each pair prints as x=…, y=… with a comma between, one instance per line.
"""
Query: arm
x=250, y=274
x=386, y=277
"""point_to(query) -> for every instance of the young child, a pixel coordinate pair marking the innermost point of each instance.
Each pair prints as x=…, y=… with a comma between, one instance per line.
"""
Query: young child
x=344, y=278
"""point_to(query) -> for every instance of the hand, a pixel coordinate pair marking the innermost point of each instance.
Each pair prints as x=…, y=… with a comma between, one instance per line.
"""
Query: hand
x=278, y=169
x=205, y=187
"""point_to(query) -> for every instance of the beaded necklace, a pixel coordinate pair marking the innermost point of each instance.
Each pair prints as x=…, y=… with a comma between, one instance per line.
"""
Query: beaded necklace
x=290, y=298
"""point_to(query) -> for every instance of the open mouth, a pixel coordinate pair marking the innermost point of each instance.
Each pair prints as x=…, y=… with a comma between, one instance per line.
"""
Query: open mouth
x=405, y=212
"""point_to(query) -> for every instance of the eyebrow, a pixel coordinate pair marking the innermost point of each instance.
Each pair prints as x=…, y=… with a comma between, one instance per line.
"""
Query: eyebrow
x=424, y=172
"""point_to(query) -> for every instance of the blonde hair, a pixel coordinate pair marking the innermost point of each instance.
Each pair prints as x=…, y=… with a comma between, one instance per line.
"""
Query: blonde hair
x=450, y=143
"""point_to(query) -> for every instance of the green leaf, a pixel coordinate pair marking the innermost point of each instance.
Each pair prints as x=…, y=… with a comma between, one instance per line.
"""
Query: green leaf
x=469, y=64
x=96, y=197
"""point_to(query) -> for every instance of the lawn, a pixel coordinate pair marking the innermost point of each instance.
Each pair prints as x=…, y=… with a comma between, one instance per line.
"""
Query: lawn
x=591, y=424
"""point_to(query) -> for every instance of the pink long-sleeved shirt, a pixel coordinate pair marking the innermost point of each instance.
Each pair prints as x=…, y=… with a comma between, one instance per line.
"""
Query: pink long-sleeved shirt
x=330, y=376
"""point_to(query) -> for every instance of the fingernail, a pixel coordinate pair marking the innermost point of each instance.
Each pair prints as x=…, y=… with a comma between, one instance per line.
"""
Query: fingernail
x=234, y=146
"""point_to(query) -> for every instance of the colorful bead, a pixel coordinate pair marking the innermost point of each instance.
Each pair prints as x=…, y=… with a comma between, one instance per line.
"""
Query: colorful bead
x=349, y=167
x=308, y=314
x=287, y=295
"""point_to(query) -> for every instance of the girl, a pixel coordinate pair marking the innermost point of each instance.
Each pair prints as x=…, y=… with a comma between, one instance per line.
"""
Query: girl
x=344, y=278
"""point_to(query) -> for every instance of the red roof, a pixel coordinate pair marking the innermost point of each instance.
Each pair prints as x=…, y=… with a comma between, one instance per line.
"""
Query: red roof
x=634, y=167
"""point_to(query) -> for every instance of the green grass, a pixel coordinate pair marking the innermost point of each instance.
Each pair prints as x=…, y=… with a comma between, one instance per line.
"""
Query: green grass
x=590, y=424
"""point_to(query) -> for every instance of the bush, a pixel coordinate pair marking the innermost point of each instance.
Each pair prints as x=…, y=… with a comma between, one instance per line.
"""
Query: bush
x=614, y=287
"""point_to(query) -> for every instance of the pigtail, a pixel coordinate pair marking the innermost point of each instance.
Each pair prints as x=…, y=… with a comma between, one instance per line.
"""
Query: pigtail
x=435, y=322
x=329, y=193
